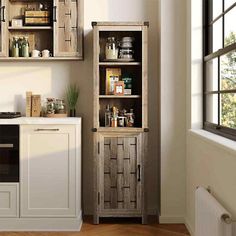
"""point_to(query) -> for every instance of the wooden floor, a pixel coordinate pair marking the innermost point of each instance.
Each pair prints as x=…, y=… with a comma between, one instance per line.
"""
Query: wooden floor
x=116, y=227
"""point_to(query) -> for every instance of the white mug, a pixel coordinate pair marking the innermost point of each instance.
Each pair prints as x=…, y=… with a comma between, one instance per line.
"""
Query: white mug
x=46, y=53
x=35, y=53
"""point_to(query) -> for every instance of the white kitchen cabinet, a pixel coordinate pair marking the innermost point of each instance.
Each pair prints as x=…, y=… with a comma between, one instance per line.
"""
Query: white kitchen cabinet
x=49, y=168
x=9, y=200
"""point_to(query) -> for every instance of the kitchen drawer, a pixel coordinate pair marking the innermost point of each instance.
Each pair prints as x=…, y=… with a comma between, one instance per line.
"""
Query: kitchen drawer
x=9, y=200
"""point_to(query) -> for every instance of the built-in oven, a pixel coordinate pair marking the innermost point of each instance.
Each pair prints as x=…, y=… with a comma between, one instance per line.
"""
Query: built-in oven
x=9, y=153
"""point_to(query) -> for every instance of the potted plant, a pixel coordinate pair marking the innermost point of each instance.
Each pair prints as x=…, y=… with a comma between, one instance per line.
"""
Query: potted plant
x=72, y=94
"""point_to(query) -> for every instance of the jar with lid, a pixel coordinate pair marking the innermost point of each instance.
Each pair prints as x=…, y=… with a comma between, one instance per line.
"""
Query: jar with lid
x=25, y=47
x=15, y=47
x=130, y=118
x=111, y=49
x=60, y=106
x=51, y=107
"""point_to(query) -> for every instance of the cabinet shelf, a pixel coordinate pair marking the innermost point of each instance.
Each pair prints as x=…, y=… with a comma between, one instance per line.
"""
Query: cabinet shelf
x=35, y=59
x=117, y=97
x=121, y=129
x=119, y=63
x=30, y=28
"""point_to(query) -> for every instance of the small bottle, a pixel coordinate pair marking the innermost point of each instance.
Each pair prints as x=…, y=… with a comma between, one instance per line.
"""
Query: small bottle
x=25, y=47
x=108, y=116
x=20, y=41
x=114, y=117
x=15, y=47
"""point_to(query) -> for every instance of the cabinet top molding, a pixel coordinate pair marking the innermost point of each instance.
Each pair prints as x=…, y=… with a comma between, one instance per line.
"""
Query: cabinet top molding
x=42, y=120
x=108, y=23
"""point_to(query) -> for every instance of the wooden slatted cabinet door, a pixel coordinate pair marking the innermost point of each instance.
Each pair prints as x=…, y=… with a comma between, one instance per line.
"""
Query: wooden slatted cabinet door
x=67, y=28
x=3, y=29
x=119, y=174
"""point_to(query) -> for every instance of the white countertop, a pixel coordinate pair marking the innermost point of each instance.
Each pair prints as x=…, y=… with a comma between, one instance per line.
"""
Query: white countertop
x=41, y=120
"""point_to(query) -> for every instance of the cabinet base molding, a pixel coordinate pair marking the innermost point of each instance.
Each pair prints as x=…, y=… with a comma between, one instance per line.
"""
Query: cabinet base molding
x=41, y=224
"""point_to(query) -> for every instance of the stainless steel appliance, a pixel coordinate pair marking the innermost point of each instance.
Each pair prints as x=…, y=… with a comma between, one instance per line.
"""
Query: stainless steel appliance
x=9, y=153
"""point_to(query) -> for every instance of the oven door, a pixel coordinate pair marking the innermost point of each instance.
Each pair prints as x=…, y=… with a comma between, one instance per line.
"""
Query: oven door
x=9, y=153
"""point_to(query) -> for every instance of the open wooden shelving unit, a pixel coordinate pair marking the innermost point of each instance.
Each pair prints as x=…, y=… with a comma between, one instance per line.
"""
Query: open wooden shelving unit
x=120, y=152
x=62, y=36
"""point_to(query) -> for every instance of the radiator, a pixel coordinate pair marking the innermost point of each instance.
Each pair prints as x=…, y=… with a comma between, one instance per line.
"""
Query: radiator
x=211, y=219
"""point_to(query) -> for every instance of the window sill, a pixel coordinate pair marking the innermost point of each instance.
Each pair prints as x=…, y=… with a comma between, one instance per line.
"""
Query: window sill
x=219, y=141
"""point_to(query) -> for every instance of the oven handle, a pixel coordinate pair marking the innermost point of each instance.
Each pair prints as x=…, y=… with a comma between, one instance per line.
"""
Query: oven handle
x=6, y=145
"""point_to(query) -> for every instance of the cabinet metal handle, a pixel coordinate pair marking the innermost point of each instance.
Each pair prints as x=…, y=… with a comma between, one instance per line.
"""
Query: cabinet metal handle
x=46, y=130
x=6, y=145
x=3, y=13
x=54, y=13
x=139, y=173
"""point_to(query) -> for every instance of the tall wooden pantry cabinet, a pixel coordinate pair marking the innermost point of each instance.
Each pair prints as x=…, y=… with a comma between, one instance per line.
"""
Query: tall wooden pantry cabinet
x=120, y=121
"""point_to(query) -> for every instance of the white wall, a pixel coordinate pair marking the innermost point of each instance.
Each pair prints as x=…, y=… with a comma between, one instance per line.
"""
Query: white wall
x=209, y=161
x=51, y=78
x=173, y=110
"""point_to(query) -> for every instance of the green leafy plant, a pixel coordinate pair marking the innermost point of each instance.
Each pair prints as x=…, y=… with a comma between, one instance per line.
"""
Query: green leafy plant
x=72, y=94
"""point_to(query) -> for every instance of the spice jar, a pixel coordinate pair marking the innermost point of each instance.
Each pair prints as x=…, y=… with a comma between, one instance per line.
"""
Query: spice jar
x=130, y=118
x=111, y=49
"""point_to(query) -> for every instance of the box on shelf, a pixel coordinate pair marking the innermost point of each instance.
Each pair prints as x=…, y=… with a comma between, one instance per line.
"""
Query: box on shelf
x=37, y=17
x=112, y=75
x=16, y=22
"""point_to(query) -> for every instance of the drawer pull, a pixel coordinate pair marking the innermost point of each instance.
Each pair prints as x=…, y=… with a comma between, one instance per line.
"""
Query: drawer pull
x=38, y=130
x=6, y=145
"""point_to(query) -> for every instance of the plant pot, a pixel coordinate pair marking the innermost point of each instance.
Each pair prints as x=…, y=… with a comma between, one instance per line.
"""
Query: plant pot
x=72, y=113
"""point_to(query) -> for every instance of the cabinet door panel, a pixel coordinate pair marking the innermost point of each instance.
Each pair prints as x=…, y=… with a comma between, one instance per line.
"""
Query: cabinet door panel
x=3, y=32
x=67, y=29
x=120, y=187
x=48, y=171
x=9, y=200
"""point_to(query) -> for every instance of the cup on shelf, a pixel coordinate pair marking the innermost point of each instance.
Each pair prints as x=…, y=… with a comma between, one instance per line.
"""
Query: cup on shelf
x=46, y=53
x=35, y=53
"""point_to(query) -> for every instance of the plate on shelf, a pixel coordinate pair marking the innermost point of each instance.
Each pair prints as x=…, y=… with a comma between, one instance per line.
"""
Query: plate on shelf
x=118, y=60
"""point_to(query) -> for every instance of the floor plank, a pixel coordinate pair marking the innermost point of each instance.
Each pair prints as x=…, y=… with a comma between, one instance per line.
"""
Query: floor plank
x=114, y=227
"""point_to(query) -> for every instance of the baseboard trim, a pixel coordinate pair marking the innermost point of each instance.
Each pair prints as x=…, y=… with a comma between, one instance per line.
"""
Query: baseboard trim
x=41, y=224
x=171, y=219
x=189, y=227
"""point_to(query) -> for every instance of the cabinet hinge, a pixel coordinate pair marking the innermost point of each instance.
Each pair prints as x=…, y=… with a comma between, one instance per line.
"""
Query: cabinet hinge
x=98, y=198
x=98, y=147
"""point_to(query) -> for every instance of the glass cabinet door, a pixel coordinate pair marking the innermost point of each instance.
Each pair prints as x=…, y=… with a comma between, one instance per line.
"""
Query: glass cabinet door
x=3, y=40
x=67, y=28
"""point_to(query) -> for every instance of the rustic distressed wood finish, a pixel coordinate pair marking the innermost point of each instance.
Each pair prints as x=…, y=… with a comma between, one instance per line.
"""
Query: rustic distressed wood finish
x=67, y=28
x=120, y=153
x=63, y=37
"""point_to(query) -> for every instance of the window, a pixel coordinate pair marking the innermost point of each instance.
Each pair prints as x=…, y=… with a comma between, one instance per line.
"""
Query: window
x=220, y=67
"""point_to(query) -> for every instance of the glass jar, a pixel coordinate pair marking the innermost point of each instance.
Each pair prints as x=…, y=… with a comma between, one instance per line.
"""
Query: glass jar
x=60, y=106
x=25, y=47
x=111, y=49
x=130, y=118
x=15, y=47
x=51, y=106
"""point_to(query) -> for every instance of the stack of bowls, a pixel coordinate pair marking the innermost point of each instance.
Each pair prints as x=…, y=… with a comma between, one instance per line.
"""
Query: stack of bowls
x=126, y=48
